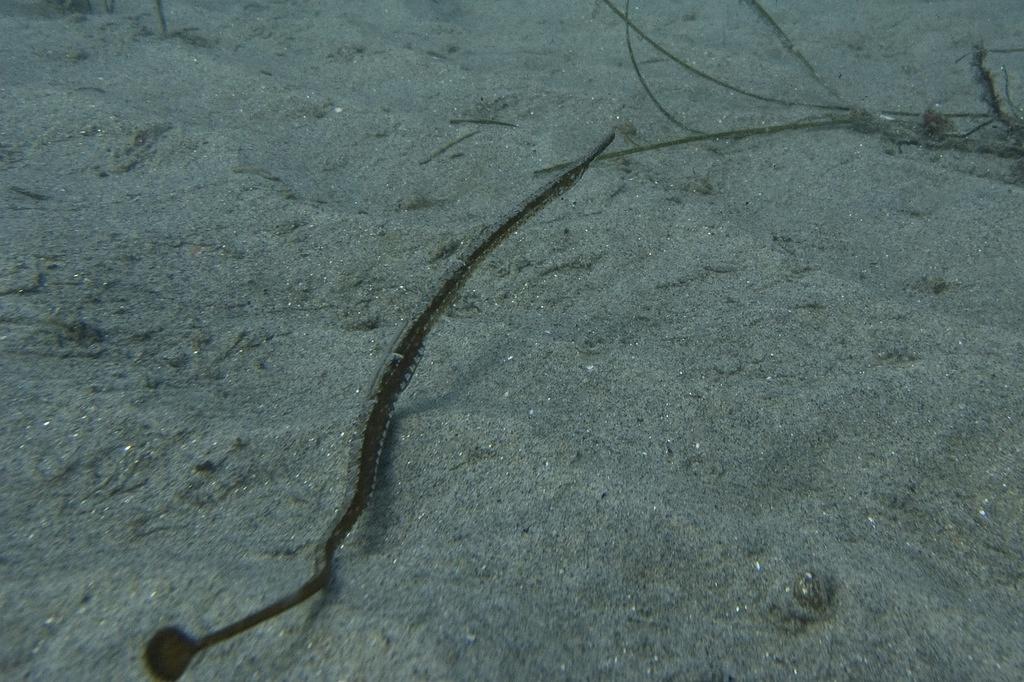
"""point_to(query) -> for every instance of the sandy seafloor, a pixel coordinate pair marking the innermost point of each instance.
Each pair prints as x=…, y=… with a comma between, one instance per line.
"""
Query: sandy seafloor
x=706, y=372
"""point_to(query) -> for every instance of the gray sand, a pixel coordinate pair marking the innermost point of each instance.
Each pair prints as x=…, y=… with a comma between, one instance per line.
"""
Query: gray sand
x=706, y=372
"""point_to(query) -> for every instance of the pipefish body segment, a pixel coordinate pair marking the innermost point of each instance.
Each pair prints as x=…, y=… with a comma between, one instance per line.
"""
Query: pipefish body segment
x=170, y=650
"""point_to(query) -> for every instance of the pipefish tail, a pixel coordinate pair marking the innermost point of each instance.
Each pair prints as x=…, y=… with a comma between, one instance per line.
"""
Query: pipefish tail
x=170, y=650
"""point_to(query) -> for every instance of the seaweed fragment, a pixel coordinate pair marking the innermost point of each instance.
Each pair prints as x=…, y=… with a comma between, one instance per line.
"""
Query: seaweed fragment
x=160, y=16
x=170, y=650
x=997, y=105
x=643, y=82
x=931, y=129
x=790, y=46
x=449, y=145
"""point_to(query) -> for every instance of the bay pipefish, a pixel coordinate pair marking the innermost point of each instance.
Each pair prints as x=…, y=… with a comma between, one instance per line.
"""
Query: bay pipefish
x=171, y=649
